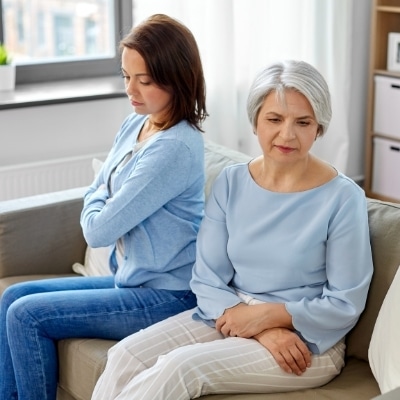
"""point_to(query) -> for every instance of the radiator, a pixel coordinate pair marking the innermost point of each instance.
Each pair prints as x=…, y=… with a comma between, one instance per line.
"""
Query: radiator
x=47, y=176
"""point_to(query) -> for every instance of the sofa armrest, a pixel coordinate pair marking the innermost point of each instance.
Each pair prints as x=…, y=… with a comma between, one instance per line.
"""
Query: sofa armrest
x=41, y=234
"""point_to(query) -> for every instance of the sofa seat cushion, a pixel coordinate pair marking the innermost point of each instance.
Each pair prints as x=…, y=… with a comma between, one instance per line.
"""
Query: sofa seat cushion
x=83, y=360
x=81, y=363
x=354, y=383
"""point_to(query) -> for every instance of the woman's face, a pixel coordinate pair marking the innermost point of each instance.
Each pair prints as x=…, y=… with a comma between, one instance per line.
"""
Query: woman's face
x=145, y=96
x=286, y=129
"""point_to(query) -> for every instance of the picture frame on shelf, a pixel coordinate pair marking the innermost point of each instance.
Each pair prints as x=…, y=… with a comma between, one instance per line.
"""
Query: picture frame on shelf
x=393, y=53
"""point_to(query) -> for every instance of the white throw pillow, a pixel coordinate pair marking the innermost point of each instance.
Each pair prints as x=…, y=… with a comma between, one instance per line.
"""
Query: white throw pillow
x=96, y=259
x=96, y=262
x=384, y=348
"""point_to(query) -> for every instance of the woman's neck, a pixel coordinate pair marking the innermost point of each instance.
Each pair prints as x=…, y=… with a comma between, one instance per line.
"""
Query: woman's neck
x=287, y=178
x=149, y=129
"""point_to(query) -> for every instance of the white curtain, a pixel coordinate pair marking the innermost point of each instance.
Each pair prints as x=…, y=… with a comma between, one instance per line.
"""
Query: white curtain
x=239, y=37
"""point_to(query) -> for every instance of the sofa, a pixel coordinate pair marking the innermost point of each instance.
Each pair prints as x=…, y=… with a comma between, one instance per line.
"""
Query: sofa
x=40, y=237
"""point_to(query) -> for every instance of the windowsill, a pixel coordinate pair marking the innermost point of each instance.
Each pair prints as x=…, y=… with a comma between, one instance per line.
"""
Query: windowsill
x=58, y=92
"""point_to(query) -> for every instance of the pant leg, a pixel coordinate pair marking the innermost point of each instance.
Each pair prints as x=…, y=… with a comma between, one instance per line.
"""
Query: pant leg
x=8, y=388
x=140, y=351
x=35, y=322
x=231, y=365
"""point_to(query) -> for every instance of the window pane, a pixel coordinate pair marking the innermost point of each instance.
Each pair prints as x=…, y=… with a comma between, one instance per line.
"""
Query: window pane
x=42, y=31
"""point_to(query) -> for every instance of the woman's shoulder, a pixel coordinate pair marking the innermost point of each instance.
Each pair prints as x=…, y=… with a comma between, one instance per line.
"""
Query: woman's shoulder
x=132, y=122
x=339, y=191
x=233, y=175
x=182, y=136
x=238, y=168
x=341, y=179
x=348, y=184
x=134, y=119
x=182, y=131
x=333, y=179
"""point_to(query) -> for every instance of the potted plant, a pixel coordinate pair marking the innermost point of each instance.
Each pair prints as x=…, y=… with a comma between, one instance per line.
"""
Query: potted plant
x=7, y=70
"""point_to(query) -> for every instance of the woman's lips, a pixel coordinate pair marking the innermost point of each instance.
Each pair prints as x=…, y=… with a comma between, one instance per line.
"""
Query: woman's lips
x=285, y=149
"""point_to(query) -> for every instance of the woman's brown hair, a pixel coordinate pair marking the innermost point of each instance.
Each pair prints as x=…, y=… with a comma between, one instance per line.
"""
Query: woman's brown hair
x=172, y=58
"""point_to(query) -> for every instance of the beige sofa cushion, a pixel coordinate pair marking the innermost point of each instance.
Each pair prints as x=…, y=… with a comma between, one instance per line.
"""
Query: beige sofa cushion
x=83, y=360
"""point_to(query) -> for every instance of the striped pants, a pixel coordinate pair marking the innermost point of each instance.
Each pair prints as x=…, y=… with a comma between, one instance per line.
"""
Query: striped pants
x=181, y=358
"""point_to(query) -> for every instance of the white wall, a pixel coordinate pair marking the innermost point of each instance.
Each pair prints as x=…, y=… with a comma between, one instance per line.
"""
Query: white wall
x=32, y=134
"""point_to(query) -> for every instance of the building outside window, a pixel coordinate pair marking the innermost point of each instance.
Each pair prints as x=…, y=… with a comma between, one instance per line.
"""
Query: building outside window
x=40, y=30
x=67, y=38
x=91, y=35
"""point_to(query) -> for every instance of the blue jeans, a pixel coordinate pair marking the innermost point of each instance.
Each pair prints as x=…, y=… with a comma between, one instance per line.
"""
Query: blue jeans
x=34, y=315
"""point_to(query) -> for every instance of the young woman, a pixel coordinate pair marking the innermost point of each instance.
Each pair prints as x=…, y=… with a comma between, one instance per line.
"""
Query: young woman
x=146, y=204
x=282, y=270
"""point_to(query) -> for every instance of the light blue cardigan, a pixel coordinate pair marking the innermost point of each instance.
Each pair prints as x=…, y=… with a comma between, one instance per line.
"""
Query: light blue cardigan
x=156, y=206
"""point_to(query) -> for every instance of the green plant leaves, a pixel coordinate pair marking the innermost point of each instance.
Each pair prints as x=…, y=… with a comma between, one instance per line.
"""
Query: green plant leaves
x=3, y=55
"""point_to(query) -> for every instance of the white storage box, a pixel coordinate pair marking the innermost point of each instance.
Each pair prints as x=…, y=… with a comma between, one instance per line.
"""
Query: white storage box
x=386, y=171
x=387, y=106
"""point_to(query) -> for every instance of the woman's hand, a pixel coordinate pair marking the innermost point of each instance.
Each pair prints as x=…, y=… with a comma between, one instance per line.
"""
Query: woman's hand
x=233, y=321
x=246, y=321
x=288, y=350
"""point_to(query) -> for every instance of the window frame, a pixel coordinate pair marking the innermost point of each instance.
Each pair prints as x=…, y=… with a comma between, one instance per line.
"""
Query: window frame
x=47, y=72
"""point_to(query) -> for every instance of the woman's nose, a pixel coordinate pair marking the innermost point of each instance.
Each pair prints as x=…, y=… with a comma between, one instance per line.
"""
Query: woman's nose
x=130, y=87
x=287, y=131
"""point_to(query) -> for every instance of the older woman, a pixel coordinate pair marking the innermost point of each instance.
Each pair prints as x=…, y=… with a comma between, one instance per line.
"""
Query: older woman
x=282, y=270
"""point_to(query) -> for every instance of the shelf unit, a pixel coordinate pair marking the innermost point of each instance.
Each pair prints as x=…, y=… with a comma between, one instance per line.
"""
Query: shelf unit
x=385, y=18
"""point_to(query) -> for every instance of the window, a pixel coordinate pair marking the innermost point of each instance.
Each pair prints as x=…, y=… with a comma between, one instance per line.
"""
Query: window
x=63, y=36
x=91, y=33
x=64, y=39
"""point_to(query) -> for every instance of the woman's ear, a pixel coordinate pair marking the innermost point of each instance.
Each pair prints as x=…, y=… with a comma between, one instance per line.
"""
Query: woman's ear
x=319, y=132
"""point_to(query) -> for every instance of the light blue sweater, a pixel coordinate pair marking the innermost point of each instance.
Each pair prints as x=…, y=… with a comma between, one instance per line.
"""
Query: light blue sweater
x=309, y=250
x=156, y=206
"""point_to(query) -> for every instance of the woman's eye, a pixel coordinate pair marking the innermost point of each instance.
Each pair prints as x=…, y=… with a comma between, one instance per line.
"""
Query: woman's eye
x=145, y=83
x=274, y=120
x=304, y=123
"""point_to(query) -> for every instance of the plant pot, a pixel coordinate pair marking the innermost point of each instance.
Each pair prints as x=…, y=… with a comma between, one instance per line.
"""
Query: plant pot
x=7, y=78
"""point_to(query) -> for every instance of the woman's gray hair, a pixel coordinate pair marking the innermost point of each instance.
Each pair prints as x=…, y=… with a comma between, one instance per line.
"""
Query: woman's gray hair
x=291, y=74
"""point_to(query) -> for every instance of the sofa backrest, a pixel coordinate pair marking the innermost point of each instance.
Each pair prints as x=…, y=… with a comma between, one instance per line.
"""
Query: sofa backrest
x=384, y=225
x=41, y=234
x=216, y=157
